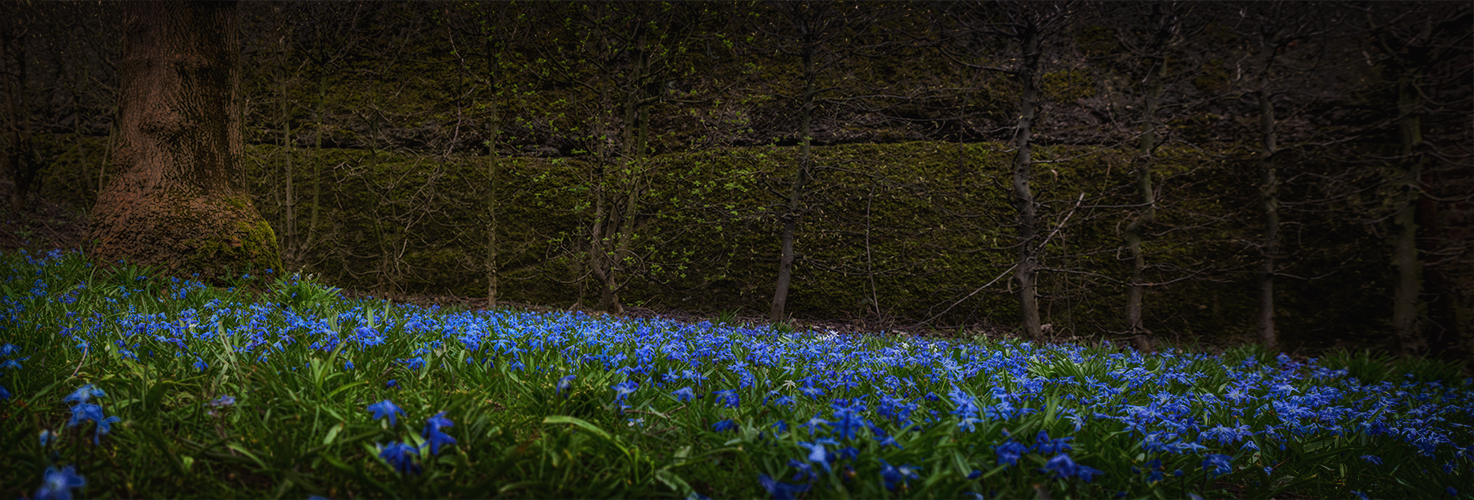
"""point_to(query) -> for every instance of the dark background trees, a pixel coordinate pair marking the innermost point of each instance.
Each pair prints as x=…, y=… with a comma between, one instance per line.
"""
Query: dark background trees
x=1287, y=173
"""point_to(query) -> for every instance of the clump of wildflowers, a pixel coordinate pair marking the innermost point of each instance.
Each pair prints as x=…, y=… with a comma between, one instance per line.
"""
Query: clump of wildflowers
x=58, y=484
x=83, y=411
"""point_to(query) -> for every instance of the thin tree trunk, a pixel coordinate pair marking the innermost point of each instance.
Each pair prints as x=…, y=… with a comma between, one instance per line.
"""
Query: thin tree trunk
x=177, y=203
x=322, y=90
x=1145, y=160
x=792, y=215
x=22, y=160
x=289, y=229
x=1026, y=273
x=1408, y=284
x=1269, y=200
x=492, y=278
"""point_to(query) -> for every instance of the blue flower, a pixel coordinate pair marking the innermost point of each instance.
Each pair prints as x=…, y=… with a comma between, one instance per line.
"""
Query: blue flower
x=847, y=422
x=1010, y=451
x=1362, y=496
x=814, y=423
x=728, y=398
x=892, y=474
x=87, y=411
x=564, y=384
x=889, y=441
x=724, y=425
x=8, y=349
x=805, y=472
x=1046, y=446
x=1063, y=467
x=684, y=394
x=1451, y=491
x=223, y=401
x=1373, y=459
x=434, y=436
x=391, y=384
x=58, y=484
x=4, y=394
x=781, y=490
x=817, y=454
x=398, y=456
x=1217, y=465
x=383, y=409
x=82, y=394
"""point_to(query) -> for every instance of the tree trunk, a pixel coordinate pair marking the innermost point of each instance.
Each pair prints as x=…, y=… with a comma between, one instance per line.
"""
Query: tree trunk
x=1269, y=200
x=792, y=215
x=495, y=125
x=21, y=159
x=1026, y=272
x=1136, y=289
x=177, y=203
x=1408, y=284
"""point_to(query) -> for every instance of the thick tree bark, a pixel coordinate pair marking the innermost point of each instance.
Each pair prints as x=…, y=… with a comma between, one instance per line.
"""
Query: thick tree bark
x=177, y=203
x=1269, y=200
x=1026, y=273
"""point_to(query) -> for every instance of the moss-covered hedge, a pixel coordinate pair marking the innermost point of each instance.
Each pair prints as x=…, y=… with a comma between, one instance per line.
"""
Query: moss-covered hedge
x=889, y=231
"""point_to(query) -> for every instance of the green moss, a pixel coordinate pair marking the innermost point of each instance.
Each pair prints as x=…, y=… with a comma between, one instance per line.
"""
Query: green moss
x=1068, y=86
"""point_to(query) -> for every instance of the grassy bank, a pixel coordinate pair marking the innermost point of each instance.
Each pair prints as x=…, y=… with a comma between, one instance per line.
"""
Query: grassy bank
x=121, y=384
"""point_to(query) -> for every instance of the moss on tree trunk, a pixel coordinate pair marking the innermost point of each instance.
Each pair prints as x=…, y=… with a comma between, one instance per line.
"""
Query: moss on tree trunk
x=177, y=203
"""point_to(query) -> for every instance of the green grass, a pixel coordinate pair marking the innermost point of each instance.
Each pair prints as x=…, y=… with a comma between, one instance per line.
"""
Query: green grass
x=569, y=405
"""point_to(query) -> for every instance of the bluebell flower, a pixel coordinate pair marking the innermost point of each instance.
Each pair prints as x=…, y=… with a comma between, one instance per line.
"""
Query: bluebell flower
x=1451, y=491
x=398, y=456
x=814, y=423
x=82, y=394
x=392, y=384
x=1373, y=459
x=1046, y=446
x=348, y=364
x=781, y=490
x=223, y=401
x=8, y=349
x=47, y=437
x=1217, y=464
x=87, y=411
x=1063, y=467
x=728, y=398
x=564, y=384
x=684, y=394
x=12, y=364
x=1010, y=451
x=433, y=435
x=847, y=422
x=622, y=391
x=902, y=474
x=975, y=474
x=724, y=425
x=817, y=454
x=889, y=441
x=1362, y=496
x=58, y=484
x=385, y=408
x=4, y=394
x=805, y=472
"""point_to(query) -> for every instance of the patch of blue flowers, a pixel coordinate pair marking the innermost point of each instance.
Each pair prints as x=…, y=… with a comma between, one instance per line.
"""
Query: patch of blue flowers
x=830, y=411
